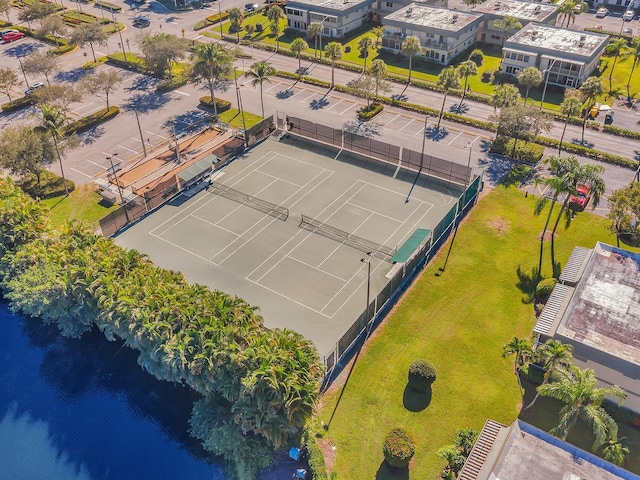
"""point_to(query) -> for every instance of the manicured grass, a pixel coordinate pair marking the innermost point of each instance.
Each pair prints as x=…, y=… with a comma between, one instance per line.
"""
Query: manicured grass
x=619, y=80
x=233, y=118
x=82, y=204
x=458, y=319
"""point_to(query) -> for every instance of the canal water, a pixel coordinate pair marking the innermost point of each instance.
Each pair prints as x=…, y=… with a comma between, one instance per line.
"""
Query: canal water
x=84, y=410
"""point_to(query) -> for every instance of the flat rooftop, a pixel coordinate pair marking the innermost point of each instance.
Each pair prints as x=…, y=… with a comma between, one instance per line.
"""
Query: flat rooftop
x=433, y=17
x=340, y=5
x=544, y=37
x=528, y=11
x=604, y=312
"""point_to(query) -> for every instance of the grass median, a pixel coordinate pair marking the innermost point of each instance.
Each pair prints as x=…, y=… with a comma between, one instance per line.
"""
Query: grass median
x=458, y=318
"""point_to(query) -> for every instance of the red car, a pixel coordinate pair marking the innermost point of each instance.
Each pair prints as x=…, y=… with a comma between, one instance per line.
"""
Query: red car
x=581, y=199
x=11, y=36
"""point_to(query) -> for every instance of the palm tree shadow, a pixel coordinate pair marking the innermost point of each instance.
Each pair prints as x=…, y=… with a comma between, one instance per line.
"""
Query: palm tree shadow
x=416, y=401
x=385, y=472
x=527, y=283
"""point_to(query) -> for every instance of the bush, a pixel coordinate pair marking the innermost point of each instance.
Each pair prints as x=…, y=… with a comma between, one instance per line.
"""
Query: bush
x=315, y=456
x=477, y=57
x=367, y=113
x=108, y=6
x=421, y=375
x=16, y=104
x=50, y=185
x=544, y=289
x=168, y=85
x=92, y=120
x=62, y=49
x=525, y=152
x=221, y=105
x=398, y=448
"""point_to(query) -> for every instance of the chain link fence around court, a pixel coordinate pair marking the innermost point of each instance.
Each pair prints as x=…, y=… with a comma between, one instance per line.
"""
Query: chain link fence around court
x=167, y=189
x=428, y=165
x=404, y=275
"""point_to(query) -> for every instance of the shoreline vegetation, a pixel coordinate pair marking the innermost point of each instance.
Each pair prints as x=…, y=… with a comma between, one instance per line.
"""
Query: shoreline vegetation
x=259, y=386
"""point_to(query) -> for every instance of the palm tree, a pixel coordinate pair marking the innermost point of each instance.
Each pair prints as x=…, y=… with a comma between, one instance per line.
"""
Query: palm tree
x=528, y=78
x=364, y=45
x=235, y=19
x=465, y=70
x=522, y=350
x=590, y=89
x=634, y=52
x=275, y=14
x=213, y=63
x=507, y=24
x=570, y=107
x=259, y=73
x=54, y=119
x=577, y=388
x=615, y=451
x=378, y=32
x=552, y=354
x=565, y=11
x=378, y=72
x=447, y=80
x=315, y=32
x=297, y=47
x=410, y=47
x=333, y=51
x=505, y=95
x=614, y=48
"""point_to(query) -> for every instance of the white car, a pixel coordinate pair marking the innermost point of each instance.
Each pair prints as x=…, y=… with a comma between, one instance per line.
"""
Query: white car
x=33, y=87
x=602, y=12
x=628, y=15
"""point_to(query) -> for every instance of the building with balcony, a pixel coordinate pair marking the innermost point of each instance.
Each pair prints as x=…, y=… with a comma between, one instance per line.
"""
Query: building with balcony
x=526, y=12
x=337, y=17
x=443, y=33
x=386, y=7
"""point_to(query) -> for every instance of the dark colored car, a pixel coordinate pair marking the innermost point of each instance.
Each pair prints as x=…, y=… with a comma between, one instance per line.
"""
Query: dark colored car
x=141, y=21
x=608, y=118
x=12, y=36
x=581, y=199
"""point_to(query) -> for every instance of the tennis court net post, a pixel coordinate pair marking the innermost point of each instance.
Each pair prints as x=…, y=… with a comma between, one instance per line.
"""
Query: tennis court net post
x=276, y=211
x=377, y=250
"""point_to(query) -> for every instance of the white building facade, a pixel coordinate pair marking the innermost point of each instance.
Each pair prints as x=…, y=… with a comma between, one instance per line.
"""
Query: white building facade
x=337, y=17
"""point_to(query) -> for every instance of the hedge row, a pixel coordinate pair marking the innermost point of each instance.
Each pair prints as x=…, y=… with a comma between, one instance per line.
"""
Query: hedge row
x=315, y=457
x=16, y=104
x=221, y=105
x=530, y=153
x=367, y=113
x=108, y=6
x=176, y=81
x=589, y=153
x=92, y=120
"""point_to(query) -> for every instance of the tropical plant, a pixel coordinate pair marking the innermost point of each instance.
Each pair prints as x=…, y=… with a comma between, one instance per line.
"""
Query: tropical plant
x=570, y=107
x=565, y=12
x=447, y=80
x=465, y=438
x=615, y=451
x=398, y=448
x=624, y=210
x=505, y=95
x=315, y=33
x=634, y=51
x=235, y=21
x=528, y=78
x=25, y=151
x=590, y=89
x=378, y=72
x=364, y=45
x=275, y=14
x=455, y=461
x=259, y=73
x=161, y=51
x=213, y=64
x=583, y=398
x=89, y=34
x=552, y=354
x=505, y=25
x=477, y=56
x=614, y=49
x=333, y=51
x=410, y=47
x=54, y=119
x=297, y=47
x=378, y=32
x=8, y=80
x=522, y=352
x=465, y=70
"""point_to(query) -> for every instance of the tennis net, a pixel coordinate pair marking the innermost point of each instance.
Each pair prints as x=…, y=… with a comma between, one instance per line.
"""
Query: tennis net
x=379, y=251
x=281, y=213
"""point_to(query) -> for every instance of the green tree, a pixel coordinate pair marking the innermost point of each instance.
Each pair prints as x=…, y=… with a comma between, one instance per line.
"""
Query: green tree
x=89, y=34
x=465, y=70
x=5, y=7
x=614, y=49
x=275, y=15
x=364, y=86
x=565, y=12
x=161, y=51
x=505, y=95
x=634, y=51
x=624, y=210
x=8, y=80
x=447, y=80
x=60, y=94
x=54, y=119
x=578, y=390
x=213, y=63
x=377, y=32
x=259, y=73
x=25, y=151
x=465, y=438
x=315, y=33
x=522, y=352
x=455, y=461
x=615, y=451
x=520, y=122
x=505, y=25
x=41, y=63
x=552, y=354
x=364, y=45
x=590, y=89
x=570, y=107
x=410, y=47
x=528, y=78
x=235, y=21
x=378, y=72
x=333, y=51
x=102, y=84
x=55, y=26
x=297, y=47
x=36, y=11
x=477, y=57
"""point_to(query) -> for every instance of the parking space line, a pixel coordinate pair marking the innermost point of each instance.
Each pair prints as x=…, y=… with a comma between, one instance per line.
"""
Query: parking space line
x=81, y=173
x=420, y=132
x=182, y=93
x=391, y=120
x=412, y=120
x=345, y=111
x=126, y=148
x=335, y=104
x=277, y=84
x=312, y=95
x=454, y=138
x=155, y=134
x=296, y=94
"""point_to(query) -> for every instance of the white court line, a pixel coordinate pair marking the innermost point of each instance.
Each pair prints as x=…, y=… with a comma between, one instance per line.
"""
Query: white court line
x=376, y=212
x=126, y=148
x=410, y=122
x=215, y=225
x=178, y=246
x=310, y=96
x=155, y=134
x=287, y=298
x=345, y=111
x=81, y=173
x=278, y=178
x=394, y=118
x=182, y=93
x=316, y=268
x=336, y=104
x=454, y=138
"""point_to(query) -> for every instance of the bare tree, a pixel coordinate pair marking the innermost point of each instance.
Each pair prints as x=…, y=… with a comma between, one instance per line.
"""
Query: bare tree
x=89, y=34
x=102, y=84
x=41, y=63
x=53, y=25
x=8, y=80
x=61, y=94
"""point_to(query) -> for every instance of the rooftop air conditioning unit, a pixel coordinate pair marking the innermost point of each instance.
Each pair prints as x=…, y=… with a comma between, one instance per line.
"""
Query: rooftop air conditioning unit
x=455, y=16
x=409, y=10
x=537, y=9
x=583, y=38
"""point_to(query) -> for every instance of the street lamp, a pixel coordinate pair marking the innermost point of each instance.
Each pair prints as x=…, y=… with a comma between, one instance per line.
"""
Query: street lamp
x=239, y=100
x=121, y=44
x=367, y=260
x=23, y=74
x=113, y=170
x=546, y=80
x=220, y=17
x=470, y=147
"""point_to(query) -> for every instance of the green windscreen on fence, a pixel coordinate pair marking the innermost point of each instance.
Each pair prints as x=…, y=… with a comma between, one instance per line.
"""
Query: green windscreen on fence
x=411, y=245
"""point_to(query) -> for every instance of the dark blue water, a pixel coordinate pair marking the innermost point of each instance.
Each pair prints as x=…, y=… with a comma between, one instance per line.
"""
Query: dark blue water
x=83, y=409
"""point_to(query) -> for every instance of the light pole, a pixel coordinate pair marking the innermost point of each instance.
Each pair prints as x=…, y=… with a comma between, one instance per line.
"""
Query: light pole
x=546, y=80
x=220, y=17
x=470, y=147
x=124, y=53
x=239, y=99
x=114, y=171
x=144, y=148
x=367, y=260
x=23, y=74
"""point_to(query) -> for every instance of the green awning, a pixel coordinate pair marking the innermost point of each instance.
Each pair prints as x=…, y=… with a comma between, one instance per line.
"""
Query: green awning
x=197, y=169
x=411, y=245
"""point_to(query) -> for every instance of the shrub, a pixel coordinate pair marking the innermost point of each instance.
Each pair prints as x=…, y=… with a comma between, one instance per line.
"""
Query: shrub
x=16, y=104
x=544, y=289
x=367, y=113
x=50, y=185
x=315, y=456
x=108, y=6
x=176, y=82
x=421, y=375
x=477, y=57
x=398, y=448
x=92, y=120
x=525, y=152
x=221, y=105
x=62, y=49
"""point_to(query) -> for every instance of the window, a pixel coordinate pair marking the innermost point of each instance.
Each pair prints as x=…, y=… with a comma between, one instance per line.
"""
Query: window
x=432, y=54
x=389, y=5
x=512, y=70
x=495, y=37
x=526, y=58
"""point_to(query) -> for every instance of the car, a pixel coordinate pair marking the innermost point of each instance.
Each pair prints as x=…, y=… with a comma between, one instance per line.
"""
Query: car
x=32, y=88
x=578, y=8
x=608, y=118
x=141, y=21
x=628, y=31
x=7, y=30
x=628, y=15
x=12, y=36
x=250, y=7
x=602, y=12
x=581, y=198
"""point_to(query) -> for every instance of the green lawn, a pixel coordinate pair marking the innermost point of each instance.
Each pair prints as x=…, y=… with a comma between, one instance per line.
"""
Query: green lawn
x=619, y=80
x=233, y=118
x=458, y=320
x=82, y=204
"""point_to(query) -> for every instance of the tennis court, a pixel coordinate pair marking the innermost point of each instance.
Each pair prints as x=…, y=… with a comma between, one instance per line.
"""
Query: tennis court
x=286, y=227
